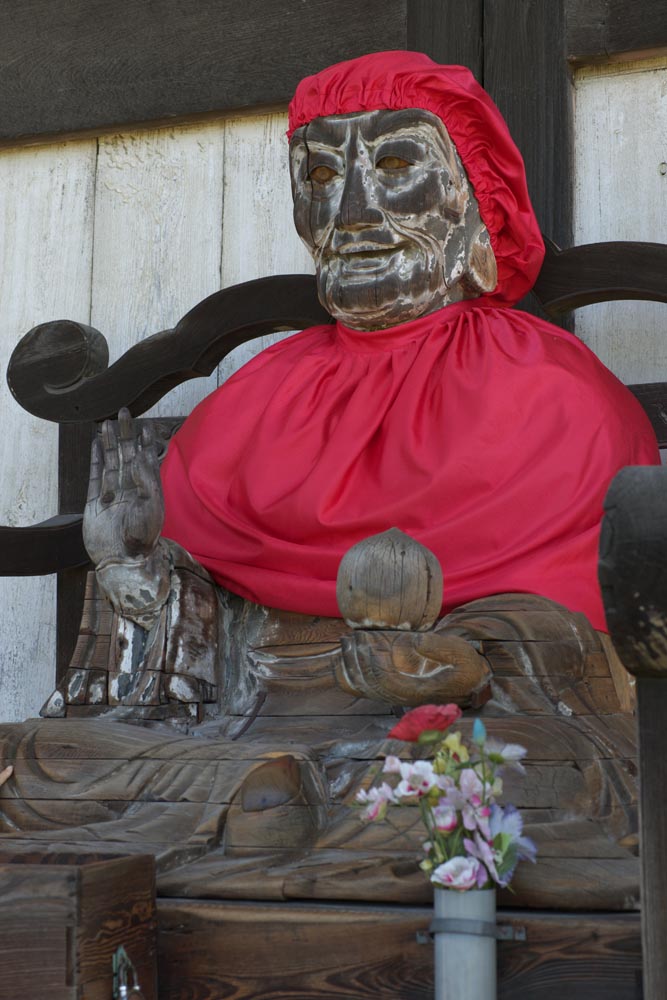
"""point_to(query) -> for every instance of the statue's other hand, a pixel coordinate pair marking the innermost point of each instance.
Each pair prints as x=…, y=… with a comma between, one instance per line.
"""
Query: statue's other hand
x=125, y=510
x=413, y=668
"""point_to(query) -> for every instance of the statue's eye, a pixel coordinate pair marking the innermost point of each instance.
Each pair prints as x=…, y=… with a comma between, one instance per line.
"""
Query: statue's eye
x=392, y=163
x=321, y=174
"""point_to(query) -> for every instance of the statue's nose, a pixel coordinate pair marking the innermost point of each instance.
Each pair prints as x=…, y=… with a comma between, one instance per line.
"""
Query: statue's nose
x=358, y=204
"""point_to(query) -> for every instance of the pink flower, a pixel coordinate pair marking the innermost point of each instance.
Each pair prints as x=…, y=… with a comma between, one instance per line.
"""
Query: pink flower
x=467, y=798
x=376, y=801
x=458, y=873
x=481, y=849
x=425, y=718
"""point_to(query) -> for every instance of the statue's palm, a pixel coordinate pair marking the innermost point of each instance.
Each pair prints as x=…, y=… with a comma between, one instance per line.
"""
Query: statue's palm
x=125, y=510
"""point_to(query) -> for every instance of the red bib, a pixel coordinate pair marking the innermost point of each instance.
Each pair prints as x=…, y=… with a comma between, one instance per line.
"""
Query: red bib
x=486, y=434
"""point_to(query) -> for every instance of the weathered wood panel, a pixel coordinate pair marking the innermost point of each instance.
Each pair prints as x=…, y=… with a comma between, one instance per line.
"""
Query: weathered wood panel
x=621, y=194
x=526, y=74
x=259, y=237
x=602, y=28
x=46, y=220
x=449, y=32
x=158, y=235
x=88, y=64
x=61, y=923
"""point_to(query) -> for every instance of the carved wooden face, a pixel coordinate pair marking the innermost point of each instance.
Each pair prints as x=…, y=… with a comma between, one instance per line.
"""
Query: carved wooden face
x=383, y=203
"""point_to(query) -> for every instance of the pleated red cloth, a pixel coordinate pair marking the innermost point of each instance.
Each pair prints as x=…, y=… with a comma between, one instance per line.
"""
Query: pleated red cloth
x=486, y=434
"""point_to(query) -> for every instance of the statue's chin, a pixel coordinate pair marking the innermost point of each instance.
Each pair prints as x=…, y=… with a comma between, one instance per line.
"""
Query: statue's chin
x=369, y=303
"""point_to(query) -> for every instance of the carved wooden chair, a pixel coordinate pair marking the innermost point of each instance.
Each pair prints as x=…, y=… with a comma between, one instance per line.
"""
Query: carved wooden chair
x=59, y=372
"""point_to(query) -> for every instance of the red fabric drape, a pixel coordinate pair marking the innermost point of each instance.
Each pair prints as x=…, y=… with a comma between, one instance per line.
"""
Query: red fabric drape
x=484, y=433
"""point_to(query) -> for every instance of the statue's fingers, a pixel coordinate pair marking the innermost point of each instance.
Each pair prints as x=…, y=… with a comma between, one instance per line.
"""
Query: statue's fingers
x=110, y=445
x=126, y=428
x=96, y=463
x=110, y=487
x=149, y=446
x=146, y=477
x=127, y=446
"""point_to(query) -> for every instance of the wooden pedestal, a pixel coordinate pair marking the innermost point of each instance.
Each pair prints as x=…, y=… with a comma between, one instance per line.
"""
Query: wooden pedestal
x=302, y=951
x=62, y=919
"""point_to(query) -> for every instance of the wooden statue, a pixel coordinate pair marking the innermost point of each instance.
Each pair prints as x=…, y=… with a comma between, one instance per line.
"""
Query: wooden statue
x=259, y=724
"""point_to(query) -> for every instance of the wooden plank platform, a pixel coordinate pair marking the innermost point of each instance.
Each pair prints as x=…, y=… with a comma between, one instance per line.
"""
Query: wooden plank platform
x=298, y=951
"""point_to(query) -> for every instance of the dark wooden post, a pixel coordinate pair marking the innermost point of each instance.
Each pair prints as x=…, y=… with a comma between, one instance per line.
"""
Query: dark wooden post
x=633, y=576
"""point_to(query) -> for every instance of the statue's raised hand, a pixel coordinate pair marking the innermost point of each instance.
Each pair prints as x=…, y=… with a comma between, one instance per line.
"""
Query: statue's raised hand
x=123, y=519
x=125, y=510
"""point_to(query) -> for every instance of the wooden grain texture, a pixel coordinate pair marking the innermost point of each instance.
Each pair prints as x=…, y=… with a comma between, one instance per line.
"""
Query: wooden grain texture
x=652, y=706
x=117, y=907
x=449, y=32
x=89, y=65
x=248, y=951
x=62, y=919
x=37, y=929
x=621, y=194
x=158, y=235
x=259, y=237
x=632, y=572
x=602, y=28
x=46, y=215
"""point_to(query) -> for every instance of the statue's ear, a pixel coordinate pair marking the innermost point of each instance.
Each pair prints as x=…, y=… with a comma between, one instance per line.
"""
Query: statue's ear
x=482, y=273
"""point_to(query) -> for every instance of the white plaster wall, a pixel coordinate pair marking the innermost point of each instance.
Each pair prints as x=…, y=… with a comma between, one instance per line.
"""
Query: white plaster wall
x=126, y=233
x=621, y=194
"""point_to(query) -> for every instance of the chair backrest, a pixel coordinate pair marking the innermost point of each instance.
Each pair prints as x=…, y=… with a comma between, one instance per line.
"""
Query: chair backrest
x=604, y=272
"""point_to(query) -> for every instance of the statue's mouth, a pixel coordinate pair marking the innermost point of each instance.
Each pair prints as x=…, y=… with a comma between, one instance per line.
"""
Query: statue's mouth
x=365, y=256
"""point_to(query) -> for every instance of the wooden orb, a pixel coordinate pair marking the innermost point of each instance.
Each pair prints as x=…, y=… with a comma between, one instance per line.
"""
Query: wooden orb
x=389, y=581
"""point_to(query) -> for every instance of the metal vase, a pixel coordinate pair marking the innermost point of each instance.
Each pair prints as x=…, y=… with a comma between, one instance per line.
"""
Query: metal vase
x=465, y=944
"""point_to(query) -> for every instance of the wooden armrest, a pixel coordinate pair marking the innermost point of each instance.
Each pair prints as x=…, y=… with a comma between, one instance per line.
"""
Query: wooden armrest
x=39, y=549
x=601, y=272
x=58, y=371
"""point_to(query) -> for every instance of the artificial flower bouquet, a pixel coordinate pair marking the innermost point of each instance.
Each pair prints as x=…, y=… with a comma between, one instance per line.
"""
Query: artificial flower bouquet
x=473, y=841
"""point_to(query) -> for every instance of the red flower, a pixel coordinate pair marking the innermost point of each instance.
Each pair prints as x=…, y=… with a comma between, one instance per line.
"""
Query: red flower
x=426, y=718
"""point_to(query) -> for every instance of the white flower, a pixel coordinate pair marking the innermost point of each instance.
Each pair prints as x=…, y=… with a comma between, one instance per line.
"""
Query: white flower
x=417, y=779
x=510, y=753
x=376, y=801
x=392, y=765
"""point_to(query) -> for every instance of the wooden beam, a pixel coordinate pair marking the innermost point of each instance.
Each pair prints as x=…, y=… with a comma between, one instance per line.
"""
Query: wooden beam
x=633, y=578
x=448, y=31
x=601, y=28
x=91, y=65
x=526, y=74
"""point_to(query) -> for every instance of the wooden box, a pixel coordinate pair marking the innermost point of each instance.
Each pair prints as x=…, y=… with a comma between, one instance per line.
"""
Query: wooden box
x=62, y=917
